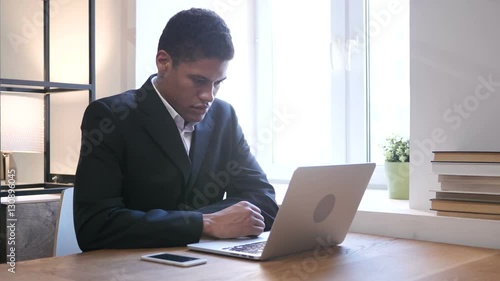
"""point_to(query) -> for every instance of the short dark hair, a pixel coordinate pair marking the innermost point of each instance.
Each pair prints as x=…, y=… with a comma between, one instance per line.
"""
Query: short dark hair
x=195, y=34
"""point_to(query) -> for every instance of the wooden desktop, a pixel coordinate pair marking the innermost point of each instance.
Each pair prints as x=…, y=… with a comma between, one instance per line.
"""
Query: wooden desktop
x=359, y=257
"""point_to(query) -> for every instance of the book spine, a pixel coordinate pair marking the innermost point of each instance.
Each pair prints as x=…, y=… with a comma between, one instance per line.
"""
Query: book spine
x=468, y=207
x=466, y=169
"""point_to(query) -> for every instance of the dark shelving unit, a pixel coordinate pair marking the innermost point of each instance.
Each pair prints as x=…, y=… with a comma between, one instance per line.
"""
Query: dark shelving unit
x=48, y=87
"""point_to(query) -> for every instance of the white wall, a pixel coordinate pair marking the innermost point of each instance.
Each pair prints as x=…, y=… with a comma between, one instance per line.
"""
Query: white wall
x=115, y=65
x=454, y=50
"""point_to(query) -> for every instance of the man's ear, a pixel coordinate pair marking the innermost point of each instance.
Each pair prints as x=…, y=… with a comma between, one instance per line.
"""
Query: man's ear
x=164, y=62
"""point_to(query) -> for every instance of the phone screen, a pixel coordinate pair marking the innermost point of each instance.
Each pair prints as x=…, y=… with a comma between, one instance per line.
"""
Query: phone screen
x=171, y=257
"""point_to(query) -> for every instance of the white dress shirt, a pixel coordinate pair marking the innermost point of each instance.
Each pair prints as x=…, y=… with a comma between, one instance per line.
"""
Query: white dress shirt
x=185, y=130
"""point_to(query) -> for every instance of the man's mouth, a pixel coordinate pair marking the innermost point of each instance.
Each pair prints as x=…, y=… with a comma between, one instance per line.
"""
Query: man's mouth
x=201, y=108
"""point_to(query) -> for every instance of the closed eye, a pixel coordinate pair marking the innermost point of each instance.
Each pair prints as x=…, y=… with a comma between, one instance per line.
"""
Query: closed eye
x=199, y=81
x=217, y=83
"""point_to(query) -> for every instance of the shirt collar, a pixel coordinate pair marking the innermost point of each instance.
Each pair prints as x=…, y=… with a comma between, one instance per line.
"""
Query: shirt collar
x=179, y=121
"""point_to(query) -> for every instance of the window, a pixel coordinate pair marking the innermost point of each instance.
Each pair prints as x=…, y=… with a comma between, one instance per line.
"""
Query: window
x=311, y=81
x=388, y=72
x=327, y=72
x=311, y=85
x=294, y=89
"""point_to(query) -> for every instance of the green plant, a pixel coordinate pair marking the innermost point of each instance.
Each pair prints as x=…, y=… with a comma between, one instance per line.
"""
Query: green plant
x=397, y=149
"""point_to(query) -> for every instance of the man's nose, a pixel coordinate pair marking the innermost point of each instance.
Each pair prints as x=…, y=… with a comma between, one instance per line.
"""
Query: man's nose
x=208, y=94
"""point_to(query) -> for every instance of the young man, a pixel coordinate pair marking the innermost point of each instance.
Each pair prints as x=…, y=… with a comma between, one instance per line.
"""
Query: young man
x=168, y=163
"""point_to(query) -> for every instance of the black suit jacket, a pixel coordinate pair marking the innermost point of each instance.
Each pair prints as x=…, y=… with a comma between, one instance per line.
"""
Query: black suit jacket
x=137, y=187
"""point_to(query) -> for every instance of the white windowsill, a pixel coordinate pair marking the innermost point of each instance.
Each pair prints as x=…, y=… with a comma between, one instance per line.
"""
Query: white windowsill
x=377, y=200
x=374, y=200
x=379, y=215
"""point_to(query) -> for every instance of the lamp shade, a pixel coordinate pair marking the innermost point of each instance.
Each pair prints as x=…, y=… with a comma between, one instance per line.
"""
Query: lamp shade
x=21, y=122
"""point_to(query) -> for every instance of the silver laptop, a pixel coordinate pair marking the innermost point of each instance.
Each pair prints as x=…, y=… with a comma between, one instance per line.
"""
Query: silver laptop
x=317, y=211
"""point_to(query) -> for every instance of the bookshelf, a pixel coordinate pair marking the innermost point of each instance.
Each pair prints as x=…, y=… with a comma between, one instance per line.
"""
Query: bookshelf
x=47, y=87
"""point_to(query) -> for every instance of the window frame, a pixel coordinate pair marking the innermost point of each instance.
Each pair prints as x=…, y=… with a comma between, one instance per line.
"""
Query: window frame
x=349, y=91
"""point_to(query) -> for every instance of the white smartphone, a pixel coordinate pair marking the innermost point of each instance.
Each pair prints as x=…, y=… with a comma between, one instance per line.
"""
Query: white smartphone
x=172, y=259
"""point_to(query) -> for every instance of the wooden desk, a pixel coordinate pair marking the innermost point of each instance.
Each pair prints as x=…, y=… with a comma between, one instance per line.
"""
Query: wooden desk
x=360, y=257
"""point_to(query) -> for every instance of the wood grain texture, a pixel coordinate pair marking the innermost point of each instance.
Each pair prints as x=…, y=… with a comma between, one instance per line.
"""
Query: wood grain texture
x=360, y=257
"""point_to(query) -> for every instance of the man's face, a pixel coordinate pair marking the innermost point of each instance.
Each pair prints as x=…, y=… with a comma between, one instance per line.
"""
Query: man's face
x=190, y=87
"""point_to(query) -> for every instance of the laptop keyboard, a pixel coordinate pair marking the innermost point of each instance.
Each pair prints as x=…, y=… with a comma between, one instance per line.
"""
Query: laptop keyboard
x=251, y=248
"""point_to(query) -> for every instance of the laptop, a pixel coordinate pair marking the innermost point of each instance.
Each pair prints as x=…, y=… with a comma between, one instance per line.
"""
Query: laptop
x=317, y=212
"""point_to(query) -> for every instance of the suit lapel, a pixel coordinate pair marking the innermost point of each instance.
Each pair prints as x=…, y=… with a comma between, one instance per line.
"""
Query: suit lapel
x=199, y=145
x=160, y=125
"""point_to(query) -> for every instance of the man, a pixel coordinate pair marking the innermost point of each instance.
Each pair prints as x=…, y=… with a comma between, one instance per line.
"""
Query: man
x=168, y=163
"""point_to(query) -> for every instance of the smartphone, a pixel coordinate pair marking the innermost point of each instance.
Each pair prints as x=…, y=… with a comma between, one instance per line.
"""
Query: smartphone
x=171, y=259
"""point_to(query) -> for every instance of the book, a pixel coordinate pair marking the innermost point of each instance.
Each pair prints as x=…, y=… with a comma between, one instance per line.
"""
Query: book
x=467, y=156
x=469, y=179
x=466, y=168
x=468, y=215
x=478, y=188
x=465, y=206
x=468, y=196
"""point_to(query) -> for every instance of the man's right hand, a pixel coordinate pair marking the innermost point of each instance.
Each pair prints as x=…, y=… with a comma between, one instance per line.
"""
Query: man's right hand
x=240, y=219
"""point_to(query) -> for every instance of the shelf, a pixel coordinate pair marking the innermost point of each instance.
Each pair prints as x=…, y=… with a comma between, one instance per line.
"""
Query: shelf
x=46, y=86
x=35, y=189
x=41, y=87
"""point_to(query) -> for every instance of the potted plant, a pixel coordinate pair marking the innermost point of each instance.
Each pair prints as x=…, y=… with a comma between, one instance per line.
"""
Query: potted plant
x=397, y=167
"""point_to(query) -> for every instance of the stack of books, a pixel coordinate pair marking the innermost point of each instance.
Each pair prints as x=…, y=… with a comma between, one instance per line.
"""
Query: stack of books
x=469, y=184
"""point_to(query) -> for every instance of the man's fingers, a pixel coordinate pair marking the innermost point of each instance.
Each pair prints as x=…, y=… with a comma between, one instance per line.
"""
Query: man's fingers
x=258, y=218
x=256, y=230
x=255, y=208
x=258, y=222
x=241, y=219
x=250, y=205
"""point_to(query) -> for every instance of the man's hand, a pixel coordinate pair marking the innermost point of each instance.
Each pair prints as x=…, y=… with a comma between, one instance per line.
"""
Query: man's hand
x=241, y=219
